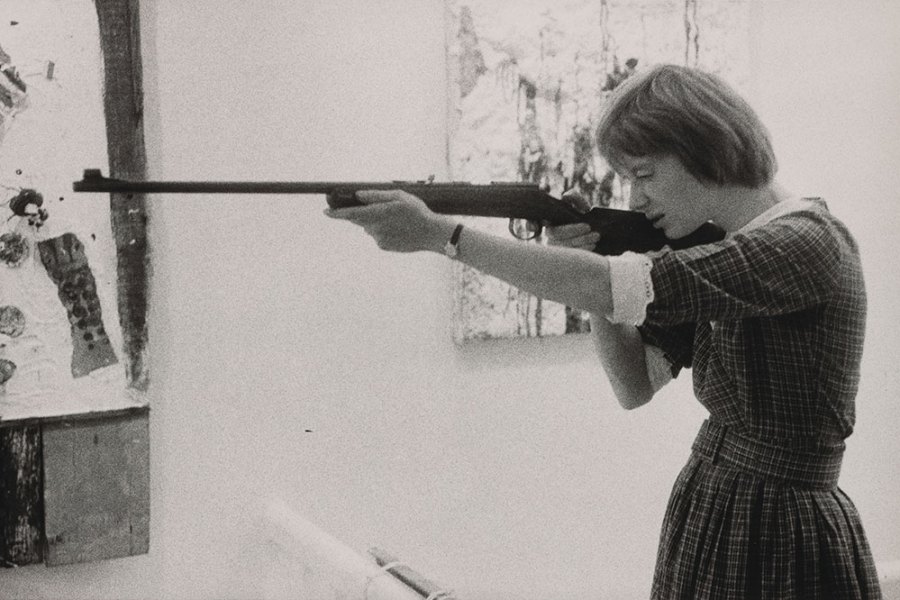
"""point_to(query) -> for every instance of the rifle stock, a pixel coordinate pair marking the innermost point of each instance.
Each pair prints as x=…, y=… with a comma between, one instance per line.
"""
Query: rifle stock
x=620, y=230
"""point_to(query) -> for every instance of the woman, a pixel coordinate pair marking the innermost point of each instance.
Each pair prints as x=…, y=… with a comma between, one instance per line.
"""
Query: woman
x=770, y=320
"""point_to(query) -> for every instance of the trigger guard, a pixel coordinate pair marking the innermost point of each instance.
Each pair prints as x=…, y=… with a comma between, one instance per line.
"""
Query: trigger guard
x=534, y=226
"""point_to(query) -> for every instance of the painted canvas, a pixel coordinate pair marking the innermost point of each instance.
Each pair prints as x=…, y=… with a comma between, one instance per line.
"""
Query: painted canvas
x=527, y=81
x=61, y=343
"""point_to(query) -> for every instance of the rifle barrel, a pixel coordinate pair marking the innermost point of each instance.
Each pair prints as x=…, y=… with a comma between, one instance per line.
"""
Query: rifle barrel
x=519, y=200
x=94, y=181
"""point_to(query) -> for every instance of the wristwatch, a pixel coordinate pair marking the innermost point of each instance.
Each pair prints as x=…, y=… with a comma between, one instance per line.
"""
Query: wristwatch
x=451, y=248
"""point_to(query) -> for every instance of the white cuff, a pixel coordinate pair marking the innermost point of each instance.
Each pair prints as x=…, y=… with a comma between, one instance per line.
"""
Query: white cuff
x=632, y=287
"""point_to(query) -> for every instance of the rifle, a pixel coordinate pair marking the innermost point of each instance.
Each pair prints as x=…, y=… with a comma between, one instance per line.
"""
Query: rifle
x=620, y=230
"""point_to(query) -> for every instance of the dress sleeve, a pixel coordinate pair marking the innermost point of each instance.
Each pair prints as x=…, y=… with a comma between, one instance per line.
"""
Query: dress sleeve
x=674, y=342
x=632, y=292
x=789, y=264
x=659, y=369
x=666, y=349
x=631, y=287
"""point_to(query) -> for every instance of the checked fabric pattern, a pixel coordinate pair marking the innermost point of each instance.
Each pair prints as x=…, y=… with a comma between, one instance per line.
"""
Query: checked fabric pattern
x=771, y=322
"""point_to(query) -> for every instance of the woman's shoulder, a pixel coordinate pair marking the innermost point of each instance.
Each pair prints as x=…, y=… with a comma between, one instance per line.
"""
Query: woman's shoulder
x=791, y=210
x=810, y=216
x=805, y=220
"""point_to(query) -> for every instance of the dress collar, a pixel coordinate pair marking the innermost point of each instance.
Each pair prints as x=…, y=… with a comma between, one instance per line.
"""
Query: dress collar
x=786, y=206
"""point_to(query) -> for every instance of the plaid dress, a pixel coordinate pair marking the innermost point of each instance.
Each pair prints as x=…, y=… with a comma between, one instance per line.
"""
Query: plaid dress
x=771, y=321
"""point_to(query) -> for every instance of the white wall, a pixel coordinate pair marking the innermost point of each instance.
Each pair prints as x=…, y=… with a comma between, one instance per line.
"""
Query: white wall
x=503, y=469
x=828, y=86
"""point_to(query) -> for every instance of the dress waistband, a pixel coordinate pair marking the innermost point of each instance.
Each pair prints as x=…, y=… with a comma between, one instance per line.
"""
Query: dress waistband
x=718, y=444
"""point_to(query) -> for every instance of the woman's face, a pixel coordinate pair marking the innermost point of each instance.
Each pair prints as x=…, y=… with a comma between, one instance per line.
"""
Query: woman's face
x=670, y=197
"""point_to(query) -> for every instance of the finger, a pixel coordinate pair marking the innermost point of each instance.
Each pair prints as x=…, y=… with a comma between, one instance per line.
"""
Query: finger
x=377, y=196
x=356, y=214
x=563, y=232
x=344, y=214
x=590, y=241
x=576, y=199
x=587, y=241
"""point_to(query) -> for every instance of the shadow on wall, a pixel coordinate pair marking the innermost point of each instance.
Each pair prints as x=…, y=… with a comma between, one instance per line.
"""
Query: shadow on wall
x=308, y=563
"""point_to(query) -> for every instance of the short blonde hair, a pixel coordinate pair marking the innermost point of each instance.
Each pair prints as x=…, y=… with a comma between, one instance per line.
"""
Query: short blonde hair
x=693, y=115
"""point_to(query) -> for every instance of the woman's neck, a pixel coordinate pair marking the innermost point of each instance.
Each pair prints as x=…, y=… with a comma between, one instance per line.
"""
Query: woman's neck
x=740, y=205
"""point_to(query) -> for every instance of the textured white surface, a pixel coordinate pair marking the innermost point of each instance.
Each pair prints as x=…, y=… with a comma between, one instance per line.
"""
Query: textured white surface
x=57, y=132
x=558, y=48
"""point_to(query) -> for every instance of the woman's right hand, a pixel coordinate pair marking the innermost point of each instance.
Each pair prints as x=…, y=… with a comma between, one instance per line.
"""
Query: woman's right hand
x=574, y=235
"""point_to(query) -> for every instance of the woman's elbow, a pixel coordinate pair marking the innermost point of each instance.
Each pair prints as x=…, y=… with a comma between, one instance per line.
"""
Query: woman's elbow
x=632, y=388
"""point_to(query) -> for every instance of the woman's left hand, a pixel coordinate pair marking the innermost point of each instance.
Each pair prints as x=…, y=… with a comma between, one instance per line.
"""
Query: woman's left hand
x=397, y=221
x=574, y=235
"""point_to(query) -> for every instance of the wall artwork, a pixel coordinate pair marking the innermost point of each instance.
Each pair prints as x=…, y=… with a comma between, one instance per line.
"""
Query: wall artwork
x=527, y=81
x=62, y=348
x=74, y=418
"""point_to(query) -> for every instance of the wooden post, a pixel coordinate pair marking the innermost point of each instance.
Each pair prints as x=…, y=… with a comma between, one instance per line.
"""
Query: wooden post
x=123, y=103
x=21, y=507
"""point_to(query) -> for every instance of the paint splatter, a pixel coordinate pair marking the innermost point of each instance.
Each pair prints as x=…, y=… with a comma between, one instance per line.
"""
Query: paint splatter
x=68, y=268
x=471, y=61
x=7, y=370
x=26, y=202
x=29, y=203
x=14, y=249
x=12, y=76
x=13, y=92
x=12, y=321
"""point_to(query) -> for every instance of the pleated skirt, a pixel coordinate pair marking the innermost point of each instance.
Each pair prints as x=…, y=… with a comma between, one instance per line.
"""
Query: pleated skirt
x=731, y=533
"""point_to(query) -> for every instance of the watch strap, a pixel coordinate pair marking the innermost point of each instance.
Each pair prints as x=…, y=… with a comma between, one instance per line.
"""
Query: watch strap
x=451, y=248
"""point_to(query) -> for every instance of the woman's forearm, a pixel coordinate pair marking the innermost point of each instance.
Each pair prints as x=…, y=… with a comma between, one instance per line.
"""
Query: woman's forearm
x=575, y=278
x=401, y=222
x=621, y=351
x=572, y=277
